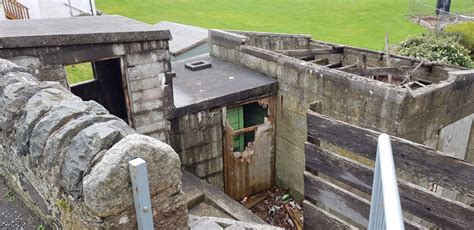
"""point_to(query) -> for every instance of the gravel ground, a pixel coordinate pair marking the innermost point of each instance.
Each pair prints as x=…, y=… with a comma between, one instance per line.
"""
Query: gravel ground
x=13, y=213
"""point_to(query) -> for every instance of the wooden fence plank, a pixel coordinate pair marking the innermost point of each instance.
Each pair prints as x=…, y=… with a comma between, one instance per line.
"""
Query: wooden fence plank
x=414, y=199
x=354, y=208
x=327, y=195
x=317, y=218
x=443, y=170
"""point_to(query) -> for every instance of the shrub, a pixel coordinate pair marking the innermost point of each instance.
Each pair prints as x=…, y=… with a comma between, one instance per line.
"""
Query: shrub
x=441, y=47
x=466, y=30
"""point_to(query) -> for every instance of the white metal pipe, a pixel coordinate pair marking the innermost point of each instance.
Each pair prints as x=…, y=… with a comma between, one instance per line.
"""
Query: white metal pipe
x=385, y=208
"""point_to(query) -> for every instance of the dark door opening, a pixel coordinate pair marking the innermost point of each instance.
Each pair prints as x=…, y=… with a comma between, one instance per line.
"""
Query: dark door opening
x=106, y=88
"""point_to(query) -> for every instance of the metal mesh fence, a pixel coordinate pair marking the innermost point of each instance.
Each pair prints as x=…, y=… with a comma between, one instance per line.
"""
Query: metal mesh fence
x=424, y=12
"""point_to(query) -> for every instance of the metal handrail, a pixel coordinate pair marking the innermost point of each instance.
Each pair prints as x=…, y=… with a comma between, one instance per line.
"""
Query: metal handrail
x=15, y=10
x=385, y=208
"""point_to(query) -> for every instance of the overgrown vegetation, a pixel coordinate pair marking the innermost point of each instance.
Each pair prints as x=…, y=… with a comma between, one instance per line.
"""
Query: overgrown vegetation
x=466, y=31
x=441, y=47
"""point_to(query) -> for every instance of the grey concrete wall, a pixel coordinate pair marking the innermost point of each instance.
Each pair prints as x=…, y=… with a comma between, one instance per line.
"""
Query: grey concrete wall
x=150, y=92
x=275, y=41
x=148, y=95
x=68, y=159
x=416, y=115
x=198, y=140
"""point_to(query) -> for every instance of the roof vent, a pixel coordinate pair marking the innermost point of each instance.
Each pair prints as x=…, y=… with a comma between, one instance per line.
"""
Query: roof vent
x=198, y=65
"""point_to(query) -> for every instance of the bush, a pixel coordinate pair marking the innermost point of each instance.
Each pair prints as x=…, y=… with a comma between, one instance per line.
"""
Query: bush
x=441, y=47
x=466, y=30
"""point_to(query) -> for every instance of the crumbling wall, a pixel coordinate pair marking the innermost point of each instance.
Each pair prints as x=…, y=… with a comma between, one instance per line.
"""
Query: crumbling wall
x=197, y=138
x=252, y=170
x=275, y=41
x=347, y=97
x=68, y=159
x=148, y=92
x=431, y=108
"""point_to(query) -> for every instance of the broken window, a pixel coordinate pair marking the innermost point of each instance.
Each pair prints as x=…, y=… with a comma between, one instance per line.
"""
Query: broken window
x=244, y=120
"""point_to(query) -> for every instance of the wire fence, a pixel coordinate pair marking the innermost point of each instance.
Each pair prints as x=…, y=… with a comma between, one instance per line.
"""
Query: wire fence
x=424, y=12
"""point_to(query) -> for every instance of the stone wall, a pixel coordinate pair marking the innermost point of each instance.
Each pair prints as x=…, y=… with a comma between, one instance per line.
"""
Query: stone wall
x=148, y=93
x=416, y=115
x=197, y=138
x=68, y=159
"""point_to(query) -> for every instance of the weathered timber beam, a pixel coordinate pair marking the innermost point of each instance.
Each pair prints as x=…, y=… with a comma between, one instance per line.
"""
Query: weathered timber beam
x=374, y=71
x=245, y=130
x=307, y=52
x=317, y=218
x=306, y=58
x=354, y=208
x=334, y=65
x=347, y=66
x=414, y=199
x=320, y=61
x=419, y=160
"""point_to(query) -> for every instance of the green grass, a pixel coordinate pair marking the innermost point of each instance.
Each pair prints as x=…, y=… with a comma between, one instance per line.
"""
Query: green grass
x=79, y=73
x=361, y=23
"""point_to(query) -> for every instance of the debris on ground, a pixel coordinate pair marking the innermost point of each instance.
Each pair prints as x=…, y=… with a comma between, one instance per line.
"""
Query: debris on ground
x=276, y=207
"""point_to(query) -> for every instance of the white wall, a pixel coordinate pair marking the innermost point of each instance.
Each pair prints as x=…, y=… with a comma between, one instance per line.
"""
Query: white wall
x=2, y=13
x=33, y=8
x=58, y=8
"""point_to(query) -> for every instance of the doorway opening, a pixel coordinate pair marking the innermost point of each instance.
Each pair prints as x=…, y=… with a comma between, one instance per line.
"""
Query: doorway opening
x=106, y=86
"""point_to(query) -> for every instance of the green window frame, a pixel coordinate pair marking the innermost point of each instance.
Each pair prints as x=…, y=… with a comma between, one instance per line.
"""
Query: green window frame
x=235, y=116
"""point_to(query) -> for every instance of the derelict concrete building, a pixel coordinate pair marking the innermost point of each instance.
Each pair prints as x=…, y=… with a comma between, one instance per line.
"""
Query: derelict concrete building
x=129, y=59
x=423, y=103
x=236, y=116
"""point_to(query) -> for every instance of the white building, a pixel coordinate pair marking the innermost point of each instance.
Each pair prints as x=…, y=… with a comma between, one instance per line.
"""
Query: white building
x=32, y=9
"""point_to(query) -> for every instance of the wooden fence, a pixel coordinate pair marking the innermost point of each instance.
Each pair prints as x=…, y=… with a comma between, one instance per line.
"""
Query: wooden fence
x=337, y=188
x=15, y=10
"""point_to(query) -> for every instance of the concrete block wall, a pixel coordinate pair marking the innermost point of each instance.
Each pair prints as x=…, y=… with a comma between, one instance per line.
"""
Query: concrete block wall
x=347, y=97
x=150, y=92
x=68, y=159
x=197, y=138
x=150, y=97
x=436, y=106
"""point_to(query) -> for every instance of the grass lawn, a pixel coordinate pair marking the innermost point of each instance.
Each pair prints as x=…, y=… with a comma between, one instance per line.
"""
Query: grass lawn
x=361, y=23
x=79, y=73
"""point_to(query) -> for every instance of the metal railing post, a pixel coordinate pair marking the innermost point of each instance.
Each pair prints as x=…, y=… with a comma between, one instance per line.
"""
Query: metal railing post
x=385, y=208
x=141, y=193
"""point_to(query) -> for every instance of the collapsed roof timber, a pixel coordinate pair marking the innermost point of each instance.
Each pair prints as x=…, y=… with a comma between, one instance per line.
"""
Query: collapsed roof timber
x=236, y=116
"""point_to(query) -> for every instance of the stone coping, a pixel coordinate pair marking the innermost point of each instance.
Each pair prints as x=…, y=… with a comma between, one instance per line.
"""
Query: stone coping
x=76, y=31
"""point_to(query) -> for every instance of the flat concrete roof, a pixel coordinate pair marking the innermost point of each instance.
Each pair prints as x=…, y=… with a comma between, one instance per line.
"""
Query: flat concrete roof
x=185, y=37
x=76, y=30
x=223, y=83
